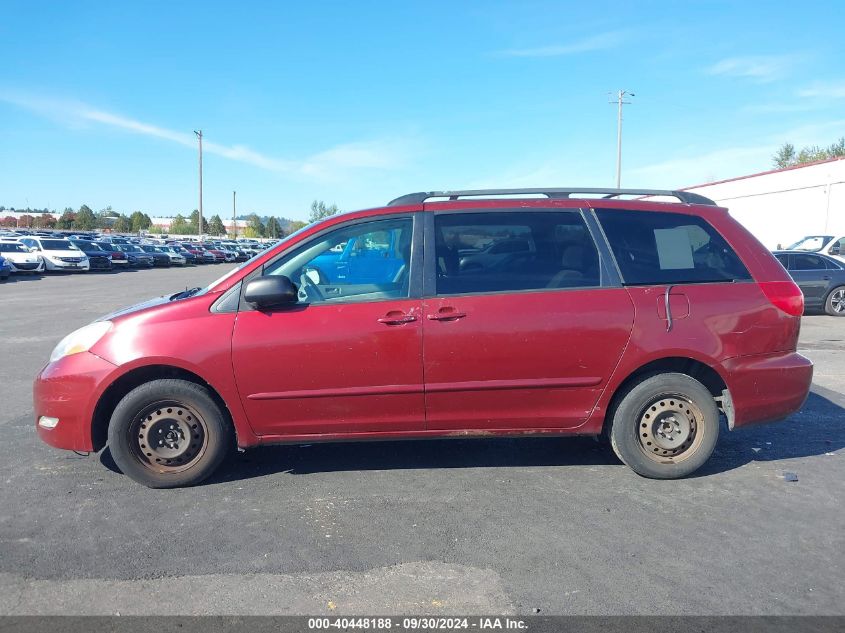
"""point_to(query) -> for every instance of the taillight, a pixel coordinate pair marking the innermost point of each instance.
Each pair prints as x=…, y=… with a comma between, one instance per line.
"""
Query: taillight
x=784, y=295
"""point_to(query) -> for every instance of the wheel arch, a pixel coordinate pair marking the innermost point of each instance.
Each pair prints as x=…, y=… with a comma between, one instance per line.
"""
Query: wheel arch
x=125, y=383
x=712, y=380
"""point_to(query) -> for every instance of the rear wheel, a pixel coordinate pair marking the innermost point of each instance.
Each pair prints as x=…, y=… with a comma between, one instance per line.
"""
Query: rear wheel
x=168, y=433
x=665, y=426
x=835, y=303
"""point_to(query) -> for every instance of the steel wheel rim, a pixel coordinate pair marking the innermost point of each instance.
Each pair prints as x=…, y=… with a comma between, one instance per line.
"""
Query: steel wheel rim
x=168, y=437
x=670, y=429
x=837, y=301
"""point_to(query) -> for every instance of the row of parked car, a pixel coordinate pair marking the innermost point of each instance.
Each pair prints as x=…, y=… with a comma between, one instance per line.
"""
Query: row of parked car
x=38, y=252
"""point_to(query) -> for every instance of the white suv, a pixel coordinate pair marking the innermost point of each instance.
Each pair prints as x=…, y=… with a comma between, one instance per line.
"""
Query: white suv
x=57, y=254
x=831, y=245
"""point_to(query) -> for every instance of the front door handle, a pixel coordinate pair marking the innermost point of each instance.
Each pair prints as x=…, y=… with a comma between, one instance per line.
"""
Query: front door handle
x=397, y=318
x=447, y=314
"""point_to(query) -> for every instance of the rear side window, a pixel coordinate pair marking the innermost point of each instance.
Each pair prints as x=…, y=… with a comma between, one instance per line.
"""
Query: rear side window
x=669, y=248
x=808, y=262
x=505, y=252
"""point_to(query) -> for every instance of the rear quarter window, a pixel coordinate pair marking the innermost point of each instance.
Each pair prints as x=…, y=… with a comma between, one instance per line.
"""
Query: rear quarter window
x=669, y=248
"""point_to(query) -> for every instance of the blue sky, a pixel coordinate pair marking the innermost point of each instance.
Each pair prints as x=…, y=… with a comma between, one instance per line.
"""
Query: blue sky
x=358, y=102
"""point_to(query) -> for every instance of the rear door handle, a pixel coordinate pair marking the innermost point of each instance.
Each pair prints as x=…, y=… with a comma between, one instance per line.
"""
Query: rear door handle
x=452, y=315
x=397, y=318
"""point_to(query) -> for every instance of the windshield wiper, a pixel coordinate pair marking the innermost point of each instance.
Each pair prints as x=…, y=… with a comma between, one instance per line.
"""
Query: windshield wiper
x=185, y=293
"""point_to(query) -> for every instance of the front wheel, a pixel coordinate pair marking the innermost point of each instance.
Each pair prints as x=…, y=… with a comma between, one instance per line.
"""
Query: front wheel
x=834, y=305
x=168, y=433
x=665, y=426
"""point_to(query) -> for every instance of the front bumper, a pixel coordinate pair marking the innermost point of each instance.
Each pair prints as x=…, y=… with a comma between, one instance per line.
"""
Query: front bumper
x=27, y=267
x=68, y=391
x=69, y=266
x=100, y=263
x=767, y=387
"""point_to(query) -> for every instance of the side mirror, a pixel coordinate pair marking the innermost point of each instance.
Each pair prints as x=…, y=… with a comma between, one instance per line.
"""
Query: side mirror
x=273, y=291
x=835, y=250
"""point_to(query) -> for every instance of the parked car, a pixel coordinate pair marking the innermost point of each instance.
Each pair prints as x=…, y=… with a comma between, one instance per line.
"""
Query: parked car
x=832, y=245
x=198, y=252
x=821, y=279
x=119, y=257
x=18, y=257
x=5, y=269
x=667, y=318
x=190, y=258
x=141, y=257
x=57, y=254
x=98, y=258
x=159, y=258
x=218, y=255
x=176, y=259
x=241, y=253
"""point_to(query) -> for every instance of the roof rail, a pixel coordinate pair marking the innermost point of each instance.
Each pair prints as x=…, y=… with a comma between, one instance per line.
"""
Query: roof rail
x=564, y=192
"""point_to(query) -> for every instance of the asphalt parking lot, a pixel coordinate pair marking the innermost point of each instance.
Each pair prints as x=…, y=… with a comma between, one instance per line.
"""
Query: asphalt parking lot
x=459, y=526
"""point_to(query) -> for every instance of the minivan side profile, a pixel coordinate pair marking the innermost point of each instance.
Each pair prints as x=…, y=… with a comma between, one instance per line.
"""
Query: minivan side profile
x=642, y=321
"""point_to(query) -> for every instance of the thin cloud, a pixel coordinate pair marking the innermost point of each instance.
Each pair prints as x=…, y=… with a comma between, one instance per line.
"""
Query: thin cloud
x=828, y=90
x=599, y=42
x=327, y=164
x=760, y=68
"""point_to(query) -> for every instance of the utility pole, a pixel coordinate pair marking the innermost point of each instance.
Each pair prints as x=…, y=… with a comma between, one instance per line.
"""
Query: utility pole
x=234, y=215
x=199, y=223
x=620, y=101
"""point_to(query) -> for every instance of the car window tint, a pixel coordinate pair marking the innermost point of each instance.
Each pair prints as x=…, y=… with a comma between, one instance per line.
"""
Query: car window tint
x=784, y=260
x=661, y=248
x=512, y=251
x=807, y=262
x=368, y=261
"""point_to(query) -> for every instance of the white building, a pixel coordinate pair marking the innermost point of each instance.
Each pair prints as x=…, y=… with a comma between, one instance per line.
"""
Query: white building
x=783, y=205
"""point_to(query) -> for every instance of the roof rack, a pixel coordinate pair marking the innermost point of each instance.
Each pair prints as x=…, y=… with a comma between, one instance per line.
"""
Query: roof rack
x=564, y=192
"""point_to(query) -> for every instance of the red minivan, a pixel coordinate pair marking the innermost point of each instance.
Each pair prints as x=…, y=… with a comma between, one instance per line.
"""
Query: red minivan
x=449, y=314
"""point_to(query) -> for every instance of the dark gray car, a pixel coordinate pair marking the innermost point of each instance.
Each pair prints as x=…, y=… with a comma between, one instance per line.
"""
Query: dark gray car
x=821, y=279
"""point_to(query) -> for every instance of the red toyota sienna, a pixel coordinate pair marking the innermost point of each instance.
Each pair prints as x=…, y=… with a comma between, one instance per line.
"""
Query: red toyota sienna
x=449, y=314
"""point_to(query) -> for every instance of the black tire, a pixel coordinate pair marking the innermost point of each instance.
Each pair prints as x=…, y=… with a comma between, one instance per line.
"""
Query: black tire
x=834, y=304
x=665, y=426
x=168, y=433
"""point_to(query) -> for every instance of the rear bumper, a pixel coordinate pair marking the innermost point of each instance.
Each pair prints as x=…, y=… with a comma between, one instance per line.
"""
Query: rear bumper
x=67, y=390
x=767, y=387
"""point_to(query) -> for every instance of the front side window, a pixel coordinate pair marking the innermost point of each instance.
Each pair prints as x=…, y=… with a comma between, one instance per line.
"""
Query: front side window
x=838, y=247
x=669, y=248
x=513, y=251
x=369, y=261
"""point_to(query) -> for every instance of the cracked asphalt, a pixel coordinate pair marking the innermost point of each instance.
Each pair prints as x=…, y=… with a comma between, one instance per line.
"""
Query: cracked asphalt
x=458, y=526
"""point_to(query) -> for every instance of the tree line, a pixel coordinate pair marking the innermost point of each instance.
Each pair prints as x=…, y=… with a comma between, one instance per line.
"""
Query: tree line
x=85, y=219
x=786, y=156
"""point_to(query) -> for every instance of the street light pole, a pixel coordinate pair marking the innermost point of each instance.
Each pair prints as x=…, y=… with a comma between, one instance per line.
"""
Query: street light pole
x=620, y=101
x=199, y=223
x=234, y=215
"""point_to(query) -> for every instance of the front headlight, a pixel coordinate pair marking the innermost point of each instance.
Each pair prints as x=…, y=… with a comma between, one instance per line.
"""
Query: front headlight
x=81, y=340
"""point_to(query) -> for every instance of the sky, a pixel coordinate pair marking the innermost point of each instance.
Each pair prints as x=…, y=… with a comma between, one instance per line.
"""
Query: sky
x=356, y=103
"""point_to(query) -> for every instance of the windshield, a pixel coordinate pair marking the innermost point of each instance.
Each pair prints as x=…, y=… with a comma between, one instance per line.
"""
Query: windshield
x=86, y=246
x=11, y=248
x=57, y=245
x=129, y=248
x=810, y=243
